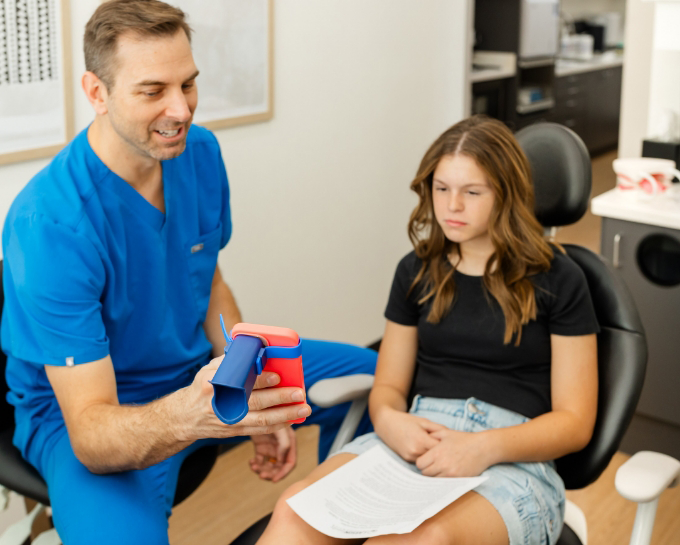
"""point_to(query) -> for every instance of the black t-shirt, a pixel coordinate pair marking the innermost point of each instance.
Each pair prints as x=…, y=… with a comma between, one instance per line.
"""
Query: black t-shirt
x=464, y=356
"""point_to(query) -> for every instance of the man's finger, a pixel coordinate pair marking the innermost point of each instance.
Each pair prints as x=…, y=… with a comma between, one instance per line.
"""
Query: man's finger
x=259, y=422
x=290, y=460
x=270, y=397
x=214, y=363
x=283, y=442
x=266, y=380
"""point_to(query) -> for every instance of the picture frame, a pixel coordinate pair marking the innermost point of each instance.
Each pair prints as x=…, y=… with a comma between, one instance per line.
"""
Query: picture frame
x=36, y=95
x=233, y=46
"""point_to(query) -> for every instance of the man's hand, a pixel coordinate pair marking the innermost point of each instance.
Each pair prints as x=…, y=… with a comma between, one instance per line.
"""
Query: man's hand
x=263, y=416
x=275, y=454
x=408, y=435
x=457, y=454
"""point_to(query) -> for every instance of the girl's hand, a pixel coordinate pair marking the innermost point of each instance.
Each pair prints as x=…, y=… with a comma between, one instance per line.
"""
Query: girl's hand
x=457, y=454
x=406, y=434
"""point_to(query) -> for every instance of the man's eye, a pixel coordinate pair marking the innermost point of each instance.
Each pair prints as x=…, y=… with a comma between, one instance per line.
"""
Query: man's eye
x=152, y=93
x=188, y=86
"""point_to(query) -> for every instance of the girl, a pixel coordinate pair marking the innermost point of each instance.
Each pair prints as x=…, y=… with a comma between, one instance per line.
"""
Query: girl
x=492, y=331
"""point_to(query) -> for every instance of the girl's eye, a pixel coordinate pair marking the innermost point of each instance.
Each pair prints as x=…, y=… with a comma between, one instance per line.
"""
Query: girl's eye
x=473, y=193
x=440, y=189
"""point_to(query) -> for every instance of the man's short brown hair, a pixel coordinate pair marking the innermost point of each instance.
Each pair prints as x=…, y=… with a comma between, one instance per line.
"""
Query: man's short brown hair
x=146, y=18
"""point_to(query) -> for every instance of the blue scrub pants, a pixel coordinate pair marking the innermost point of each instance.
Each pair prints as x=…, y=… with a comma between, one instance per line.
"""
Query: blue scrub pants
x=132, y=507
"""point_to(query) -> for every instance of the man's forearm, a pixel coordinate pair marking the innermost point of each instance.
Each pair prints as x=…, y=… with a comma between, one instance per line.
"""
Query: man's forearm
x=122, y=437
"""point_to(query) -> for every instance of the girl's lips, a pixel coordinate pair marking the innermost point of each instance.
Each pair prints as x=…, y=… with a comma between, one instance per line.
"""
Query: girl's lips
x=454, y=223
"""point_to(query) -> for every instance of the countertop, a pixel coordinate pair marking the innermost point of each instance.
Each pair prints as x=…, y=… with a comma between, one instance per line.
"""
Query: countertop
x=567, y=67
x=662, y=210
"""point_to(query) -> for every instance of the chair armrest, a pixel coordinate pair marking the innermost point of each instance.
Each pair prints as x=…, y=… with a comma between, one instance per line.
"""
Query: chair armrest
x=333, y=391
x=576, y=520
x=646, y=475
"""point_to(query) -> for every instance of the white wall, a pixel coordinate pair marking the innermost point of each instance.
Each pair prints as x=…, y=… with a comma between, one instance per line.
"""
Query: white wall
x=320, y=193
x=635, y=94
x=664, y=83
x=651, y=76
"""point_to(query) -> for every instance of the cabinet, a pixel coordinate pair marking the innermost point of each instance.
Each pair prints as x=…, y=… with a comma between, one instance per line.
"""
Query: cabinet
x=642, y=241
x=589, y=103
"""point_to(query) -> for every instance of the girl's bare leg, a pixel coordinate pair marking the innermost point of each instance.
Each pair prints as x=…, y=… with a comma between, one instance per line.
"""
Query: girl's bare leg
x=286, y=527
x=470, y=520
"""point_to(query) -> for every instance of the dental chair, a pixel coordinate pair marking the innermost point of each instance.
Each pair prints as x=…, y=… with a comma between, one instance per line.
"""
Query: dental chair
x=17, y=475
x=561, y=172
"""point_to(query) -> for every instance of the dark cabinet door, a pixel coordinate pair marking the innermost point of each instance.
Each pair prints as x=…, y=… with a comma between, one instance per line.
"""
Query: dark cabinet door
x=570, y=103
x=603, y=108
x=589, y=103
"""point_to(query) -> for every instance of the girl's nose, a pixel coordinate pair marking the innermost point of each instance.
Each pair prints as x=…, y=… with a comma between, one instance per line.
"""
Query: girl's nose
x=456, y=201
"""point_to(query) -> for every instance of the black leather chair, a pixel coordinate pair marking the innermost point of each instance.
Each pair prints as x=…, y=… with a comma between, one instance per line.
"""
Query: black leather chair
x=561, y=172
x=19, y=476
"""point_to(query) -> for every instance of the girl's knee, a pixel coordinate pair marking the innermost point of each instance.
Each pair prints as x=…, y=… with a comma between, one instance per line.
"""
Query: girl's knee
x=282, y=511
x=432, y=533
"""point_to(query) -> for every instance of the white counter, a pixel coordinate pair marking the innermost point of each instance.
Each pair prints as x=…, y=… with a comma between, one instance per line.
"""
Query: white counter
x=663, y=210
x=565, y=67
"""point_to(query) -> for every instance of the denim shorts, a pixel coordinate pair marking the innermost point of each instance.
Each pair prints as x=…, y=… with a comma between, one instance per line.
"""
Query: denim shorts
x=529, y=496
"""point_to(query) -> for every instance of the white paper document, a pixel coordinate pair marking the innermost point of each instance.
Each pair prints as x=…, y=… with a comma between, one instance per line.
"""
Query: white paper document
x=375, y=495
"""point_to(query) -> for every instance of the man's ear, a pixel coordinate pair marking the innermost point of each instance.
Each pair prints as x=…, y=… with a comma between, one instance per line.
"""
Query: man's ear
x=96, y=92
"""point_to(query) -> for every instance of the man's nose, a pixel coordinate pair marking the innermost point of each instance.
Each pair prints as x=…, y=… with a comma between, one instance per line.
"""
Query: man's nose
x=178, y=107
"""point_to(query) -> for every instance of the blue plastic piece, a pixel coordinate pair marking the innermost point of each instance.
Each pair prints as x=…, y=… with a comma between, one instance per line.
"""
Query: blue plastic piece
x=235, y=377
x=244, y=358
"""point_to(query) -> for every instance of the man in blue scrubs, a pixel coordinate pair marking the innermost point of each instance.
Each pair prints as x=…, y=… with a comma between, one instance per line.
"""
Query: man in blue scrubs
x=113, y=296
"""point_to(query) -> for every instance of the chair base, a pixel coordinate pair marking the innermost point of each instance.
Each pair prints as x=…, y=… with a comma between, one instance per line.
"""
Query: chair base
x=568, y=537
x=252, y=534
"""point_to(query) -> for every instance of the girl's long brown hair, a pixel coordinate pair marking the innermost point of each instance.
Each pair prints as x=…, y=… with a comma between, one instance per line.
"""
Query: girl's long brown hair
x=520, y=250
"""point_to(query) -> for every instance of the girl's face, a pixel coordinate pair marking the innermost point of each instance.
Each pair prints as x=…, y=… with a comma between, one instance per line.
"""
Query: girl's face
x=463, y=200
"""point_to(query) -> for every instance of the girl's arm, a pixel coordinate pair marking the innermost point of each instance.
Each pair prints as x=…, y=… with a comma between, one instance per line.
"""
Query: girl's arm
x=406, y=434
x=394, y=371
x=567, y=428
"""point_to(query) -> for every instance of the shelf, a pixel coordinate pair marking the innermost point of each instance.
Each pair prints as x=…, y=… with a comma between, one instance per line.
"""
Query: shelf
x=493, y=65
x=537, y=106
x=536, y=63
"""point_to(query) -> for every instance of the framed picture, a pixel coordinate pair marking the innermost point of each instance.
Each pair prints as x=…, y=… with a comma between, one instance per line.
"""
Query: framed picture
x=232, y=42
x=36, y=108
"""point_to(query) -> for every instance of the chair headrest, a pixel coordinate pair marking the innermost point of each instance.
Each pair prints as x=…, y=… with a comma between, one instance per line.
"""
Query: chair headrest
x=561, y=171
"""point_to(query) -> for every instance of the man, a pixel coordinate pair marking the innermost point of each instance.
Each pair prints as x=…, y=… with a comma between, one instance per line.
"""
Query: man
x=113, y=295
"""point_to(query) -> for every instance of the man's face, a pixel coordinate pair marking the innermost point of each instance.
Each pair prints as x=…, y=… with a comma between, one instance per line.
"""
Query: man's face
x=153, y=96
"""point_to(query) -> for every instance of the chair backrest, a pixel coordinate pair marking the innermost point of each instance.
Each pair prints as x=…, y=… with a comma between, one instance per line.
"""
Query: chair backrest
x=6, y=410
x=561, y=173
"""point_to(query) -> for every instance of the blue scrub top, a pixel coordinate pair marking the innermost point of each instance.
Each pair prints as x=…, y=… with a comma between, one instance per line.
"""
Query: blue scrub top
x=92, y=268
